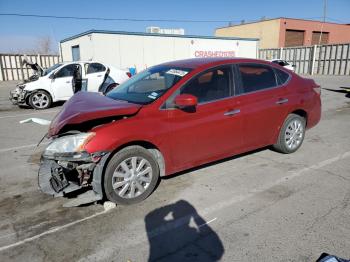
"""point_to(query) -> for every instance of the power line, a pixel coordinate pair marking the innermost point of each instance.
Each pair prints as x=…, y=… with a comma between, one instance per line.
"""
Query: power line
x=148, y=20
x=118, y=19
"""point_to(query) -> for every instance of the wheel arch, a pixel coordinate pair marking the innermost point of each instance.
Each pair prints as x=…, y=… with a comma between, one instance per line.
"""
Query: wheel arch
x=151, y=147
x=302, y=113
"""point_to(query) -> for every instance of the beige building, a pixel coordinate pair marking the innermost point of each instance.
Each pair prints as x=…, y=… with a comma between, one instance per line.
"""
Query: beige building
x=284, y=32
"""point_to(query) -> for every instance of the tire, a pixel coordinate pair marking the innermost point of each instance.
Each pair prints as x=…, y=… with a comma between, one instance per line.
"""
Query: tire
x=291, y=135
x=110, y=87
x=122, y=172
x=40, y=100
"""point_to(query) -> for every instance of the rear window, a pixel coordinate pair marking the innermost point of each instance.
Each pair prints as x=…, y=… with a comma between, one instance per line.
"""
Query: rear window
x=282, y=76
x=256, y=77
x=95, y=68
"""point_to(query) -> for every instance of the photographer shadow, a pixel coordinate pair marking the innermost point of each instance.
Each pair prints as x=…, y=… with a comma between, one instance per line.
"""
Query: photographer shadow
x=177, y=233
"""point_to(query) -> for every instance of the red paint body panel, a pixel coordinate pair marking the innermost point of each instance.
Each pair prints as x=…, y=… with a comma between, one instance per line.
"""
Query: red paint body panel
x=188, y=139
x=85, y=106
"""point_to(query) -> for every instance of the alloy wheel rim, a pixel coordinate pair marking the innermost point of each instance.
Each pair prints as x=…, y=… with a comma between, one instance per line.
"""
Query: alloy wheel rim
x=40, y=100
x=294, y=134
x=132, y=177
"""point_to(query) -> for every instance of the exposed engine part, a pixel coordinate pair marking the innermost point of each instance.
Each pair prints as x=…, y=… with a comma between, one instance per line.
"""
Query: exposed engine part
x=85, y=173
x=58, y=180
x=67, y=164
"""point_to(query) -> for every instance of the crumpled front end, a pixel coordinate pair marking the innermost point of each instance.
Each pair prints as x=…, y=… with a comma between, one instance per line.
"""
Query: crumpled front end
x=19, y=95
x=78, y=175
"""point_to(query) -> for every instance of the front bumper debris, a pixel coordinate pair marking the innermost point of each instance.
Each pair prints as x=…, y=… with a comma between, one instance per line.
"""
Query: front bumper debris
x=18, y=96
x=62, y=176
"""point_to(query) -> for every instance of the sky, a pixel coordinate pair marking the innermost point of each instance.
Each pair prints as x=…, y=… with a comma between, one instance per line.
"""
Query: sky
x=22, y=33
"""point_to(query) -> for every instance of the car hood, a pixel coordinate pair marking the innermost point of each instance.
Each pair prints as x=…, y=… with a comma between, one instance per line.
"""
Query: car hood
x=34, y=66
x=85, y=106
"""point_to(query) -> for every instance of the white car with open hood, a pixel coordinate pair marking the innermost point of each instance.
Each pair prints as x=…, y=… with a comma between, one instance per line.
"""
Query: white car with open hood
x=61, y=81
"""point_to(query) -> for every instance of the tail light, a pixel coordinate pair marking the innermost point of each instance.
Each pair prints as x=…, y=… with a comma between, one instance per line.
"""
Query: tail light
x=317, y=89
x=128, y=74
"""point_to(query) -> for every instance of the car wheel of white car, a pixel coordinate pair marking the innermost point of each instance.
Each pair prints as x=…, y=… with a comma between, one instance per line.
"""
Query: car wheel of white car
x=40, y=100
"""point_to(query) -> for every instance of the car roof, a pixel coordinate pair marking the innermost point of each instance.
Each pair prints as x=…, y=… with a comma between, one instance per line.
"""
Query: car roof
x=199, y=62
x=80, y=61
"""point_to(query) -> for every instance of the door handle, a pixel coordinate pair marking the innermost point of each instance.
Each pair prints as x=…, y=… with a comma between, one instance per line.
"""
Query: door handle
x=67, y=82
x=282, y=101
x=99, y=75
x=232, y=112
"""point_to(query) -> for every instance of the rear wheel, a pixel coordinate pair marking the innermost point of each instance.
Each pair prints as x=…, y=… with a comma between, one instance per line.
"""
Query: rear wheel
x=111, y=87
x=291, y=135
x=40, y=100
x=131, y=175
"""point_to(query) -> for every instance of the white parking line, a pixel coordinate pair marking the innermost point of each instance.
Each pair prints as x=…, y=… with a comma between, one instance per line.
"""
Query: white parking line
x=207, y=222
x=206, y=211
x=29, y=114
x=296, y=174
x=4, y=150
x=53, y=230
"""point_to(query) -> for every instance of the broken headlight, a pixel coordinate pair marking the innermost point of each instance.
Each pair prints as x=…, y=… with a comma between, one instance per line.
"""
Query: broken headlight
x=70, y=144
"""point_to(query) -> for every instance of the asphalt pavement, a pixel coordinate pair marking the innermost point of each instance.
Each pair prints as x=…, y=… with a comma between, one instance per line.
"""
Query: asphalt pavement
x=260, y=206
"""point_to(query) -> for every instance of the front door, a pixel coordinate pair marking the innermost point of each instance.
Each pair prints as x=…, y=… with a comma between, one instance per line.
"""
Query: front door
x=211, y=130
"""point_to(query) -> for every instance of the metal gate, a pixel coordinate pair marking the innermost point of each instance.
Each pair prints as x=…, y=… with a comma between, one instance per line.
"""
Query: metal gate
x=11, y=67
x=322, y=60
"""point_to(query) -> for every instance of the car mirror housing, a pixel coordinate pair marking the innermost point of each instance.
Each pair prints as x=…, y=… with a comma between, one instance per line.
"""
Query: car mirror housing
x=186, y=101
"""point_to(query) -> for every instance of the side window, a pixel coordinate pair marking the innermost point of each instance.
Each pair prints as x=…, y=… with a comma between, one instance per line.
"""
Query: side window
x=282, y=77
x=66, y=71
x=256, y=77
x=209, y=86
x=95, y=68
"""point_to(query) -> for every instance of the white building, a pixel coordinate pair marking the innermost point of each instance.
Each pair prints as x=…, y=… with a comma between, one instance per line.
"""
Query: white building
x=142, y=50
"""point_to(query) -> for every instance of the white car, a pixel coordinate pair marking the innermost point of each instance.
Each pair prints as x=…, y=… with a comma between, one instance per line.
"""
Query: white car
x=283, y=63
x=57, y=84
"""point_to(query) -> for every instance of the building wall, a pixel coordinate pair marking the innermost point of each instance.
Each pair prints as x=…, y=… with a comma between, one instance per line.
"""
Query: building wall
x=338, y=33
x=272, y=33
x=142, y=51
x=267, y=31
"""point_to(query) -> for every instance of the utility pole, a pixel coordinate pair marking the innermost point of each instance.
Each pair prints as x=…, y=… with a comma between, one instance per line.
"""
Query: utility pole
x=324, y=19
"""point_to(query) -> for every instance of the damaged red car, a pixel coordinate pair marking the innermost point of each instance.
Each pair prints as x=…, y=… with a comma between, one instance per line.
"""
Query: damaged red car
x=172, y=117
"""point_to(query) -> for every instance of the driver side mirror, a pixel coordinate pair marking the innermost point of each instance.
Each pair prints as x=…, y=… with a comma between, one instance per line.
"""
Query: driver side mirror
x=186, y=101
x=52, y=76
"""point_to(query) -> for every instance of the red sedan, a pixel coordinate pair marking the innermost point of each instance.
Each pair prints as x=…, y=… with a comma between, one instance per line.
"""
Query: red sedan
x=173, y=117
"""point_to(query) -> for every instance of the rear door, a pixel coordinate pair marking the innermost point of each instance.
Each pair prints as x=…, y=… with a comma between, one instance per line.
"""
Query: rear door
x=62, y=83
x=95, y=73
x=213, y=128
x=262, y=102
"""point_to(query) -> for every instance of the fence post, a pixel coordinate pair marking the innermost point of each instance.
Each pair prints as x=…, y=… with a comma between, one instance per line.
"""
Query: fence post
x=281, y=53
x=1, y=70
x=313, y=59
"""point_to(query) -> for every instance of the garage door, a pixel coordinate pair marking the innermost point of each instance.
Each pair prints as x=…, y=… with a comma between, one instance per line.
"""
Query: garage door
x=294, y=38
x=316, y=38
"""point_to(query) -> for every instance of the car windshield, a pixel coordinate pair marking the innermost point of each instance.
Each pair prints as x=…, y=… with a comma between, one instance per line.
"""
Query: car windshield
x=149, y=85
x=50, y=69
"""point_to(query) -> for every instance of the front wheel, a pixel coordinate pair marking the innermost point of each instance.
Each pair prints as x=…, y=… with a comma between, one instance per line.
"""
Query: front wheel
x=40, y=100
x=291, y=135
x=131, y=175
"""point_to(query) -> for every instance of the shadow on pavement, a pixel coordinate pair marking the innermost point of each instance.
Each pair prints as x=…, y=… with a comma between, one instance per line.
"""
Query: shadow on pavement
x=176, y=232
x=344, y=90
